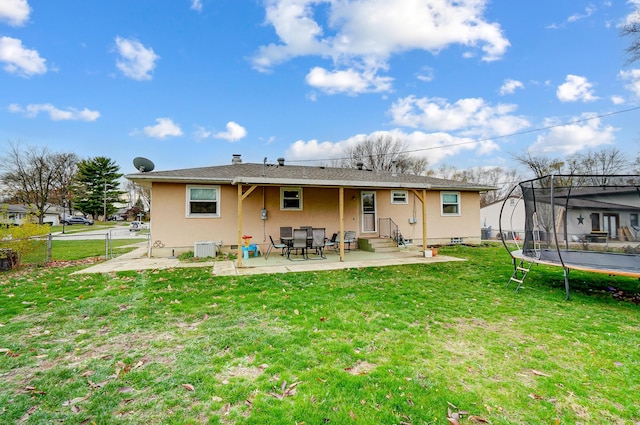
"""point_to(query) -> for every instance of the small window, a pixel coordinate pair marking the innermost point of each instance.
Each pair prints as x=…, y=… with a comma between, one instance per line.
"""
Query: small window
x=203, y=201
x=450, y=203
x=634, y=219
x=399, y=197
x=290, y=198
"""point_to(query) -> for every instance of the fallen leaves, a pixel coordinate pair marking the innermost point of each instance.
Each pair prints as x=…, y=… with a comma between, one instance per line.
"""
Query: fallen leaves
x=189, y=387
x=285, y=391
x=454, y=415
x=9, y=353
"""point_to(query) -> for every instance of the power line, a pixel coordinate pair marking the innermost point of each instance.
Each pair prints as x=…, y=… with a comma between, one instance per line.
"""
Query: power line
x=488, y=139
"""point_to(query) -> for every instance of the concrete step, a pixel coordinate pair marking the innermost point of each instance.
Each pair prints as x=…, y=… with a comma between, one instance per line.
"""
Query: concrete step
x=380, y=245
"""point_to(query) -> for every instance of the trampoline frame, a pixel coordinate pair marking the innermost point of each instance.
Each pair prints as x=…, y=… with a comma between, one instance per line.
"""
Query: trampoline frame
x=610, y=263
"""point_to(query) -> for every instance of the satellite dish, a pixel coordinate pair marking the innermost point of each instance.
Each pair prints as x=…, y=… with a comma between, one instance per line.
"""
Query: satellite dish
x=143, y=164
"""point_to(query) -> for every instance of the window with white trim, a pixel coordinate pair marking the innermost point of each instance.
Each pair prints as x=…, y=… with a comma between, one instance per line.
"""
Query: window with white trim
x=203, y=201
x=399, y=197
x=291, y=198
x=450, y=202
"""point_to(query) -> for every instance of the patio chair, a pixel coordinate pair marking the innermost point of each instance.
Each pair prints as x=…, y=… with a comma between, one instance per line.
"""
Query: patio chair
x=282, y=246
x=318, y=241
x=349, y=238
x=286, y=232
x=331, y=242
x=299, y=242
x=309, y=230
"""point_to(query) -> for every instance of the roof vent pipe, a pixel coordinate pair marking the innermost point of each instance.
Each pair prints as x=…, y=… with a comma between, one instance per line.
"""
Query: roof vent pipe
x=359, y=164
x=281, y=162
x=236, y=159
x=394, y=168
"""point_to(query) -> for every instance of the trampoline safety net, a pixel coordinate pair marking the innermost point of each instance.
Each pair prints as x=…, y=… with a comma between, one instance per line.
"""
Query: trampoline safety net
x=575, y=219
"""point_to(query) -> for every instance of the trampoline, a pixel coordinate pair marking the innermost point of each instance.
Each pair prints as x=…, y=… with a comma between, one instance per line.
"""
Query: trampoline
x=578, y=222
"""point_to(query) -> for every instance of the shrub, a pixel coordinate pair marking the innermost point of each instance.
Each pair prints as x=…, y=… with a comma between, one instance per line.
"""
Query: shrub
x=24, y=241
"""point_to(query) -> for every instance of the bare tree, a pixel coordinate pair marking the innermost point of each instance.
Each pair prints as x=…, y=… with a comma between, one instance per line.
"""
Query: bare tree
x=602, y=163
x=632, y=30
x=541, y=165
x=137, y=193
x=503, y=179
x=35, y=176
x=381, y=152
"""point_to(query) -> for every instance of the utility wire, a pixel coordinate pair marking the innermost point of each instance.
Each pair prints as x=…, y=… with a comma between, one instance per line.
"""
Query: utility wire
x=488, y=139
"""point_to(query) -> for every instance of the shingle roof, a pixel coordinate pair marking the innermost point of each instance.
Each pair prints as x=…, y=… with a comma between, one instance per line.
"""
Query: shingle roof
x=261, y=174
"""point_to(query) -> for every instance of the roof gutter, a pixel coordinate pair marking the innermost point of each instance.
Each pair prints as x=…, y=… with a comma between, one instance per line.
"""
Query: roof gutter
x=326, y=183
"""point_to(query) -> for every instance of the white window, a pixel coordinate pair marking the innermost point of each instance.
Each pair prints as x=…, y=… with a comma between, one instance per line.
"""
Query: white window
x=399, y=197
x=450, y=203
x=290, y=198
x=203, y=201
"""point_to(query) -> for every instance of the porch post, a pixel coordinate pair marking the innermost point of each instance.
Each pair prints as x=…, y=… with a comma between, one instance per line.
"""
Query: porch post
x=341, y=204
x=424, y=222
x=239, y=253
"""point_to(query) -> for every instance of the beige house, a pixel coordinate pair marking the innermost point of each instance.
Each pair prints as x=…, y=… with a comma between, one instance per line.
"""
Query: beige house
x=224, y=203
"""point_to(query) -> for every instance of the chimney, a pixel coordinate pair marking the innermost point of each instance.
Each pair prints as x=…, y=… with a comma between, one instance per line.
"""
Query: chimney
x=394, y=169
x=236, y=159
x=359, y=164
x=281, y=162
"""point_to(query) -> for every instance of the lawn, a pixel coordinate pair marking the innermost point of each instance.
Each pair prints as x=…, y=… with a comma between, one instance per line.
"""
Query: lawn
x=443, y=343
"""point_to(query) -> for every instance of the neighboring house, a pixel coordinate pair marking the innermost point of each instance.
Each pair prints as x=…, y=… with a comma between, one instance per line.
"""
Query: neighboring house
x=13, y=214
x=513, y=217
x=17, y=214
x=223, y=203
x=613, y=212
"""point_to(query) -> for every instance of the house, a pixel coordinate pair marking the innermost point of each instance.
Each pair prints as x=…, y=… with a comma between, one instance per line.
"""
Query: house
x=611, y=212
x=224, y=203
x=513, y=217
x=17, y=214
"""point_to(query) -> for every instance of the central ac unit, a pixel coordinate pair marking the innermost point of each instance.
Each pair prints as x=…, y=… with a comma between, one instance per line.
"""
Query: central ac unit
x=203, y=249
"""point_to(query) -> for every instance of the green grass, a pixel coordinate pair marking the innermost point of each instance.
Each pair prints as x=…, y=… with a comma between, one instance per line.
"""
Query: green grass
x=66, y=250
x=382, y=345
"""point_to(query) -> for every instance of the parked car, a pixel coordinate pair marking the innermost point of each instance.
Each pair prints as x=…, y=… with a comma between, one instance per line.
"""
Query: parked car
x=136, y=226
x=77, y=220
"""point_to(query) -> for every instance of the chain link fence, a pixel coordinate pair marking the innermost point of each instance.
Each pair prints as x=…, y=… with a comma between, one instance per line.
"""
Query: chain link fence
x=41, y=250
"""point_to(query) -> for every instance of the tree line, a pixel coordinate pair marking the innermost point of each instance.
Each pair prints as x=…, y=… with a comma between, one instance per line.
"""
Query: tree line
x=37, y=177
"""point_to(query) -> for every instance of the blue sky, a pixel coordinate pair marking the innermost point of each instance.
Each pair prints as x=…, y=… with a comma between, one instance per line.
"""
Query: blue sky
x=188, y=83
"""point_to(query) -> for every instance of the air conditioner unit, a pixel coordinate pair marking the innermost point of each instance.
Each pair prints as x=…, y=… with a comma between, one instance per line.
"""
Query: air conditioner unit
x=202, y=249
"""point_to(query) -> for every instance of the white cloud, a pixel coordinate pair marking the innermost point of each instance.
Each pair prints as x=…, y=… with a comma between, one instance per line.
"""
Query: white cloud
x=364, y=34
x=349, y=81
x=576, y=88
x=14, y=12
x=135, y=61
x=436, y=147
x=632, y=77
x=633, y=16
x=70, y=114
x=470, y=117
x=617, y=100
x=234, y=132
x=19, y=60
x=588, y=11
x=572, y=138
x=509, y=86
x=426, y=74
x=165, y=127
x=196, y=5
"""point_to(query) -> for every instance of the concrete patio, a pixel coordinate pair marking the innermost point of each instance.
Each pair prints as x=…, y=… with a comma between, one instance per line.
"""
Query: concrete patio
x=138, y=260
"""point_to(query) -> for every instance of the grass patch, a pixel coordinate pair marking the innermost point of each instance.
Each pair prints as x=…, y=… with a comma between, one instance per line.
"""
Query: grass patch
x=412, y=344
x=66, y=250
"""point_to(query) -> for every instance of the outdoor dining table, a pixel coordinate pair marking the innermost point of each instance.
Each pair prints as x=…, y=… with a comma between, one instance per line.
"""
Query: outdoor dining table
x=288, y=240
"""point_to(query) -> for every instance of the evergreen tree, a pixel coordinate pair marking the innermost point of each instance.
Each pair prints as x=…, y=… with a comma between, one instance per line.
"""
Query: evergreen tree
x=96, y=186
